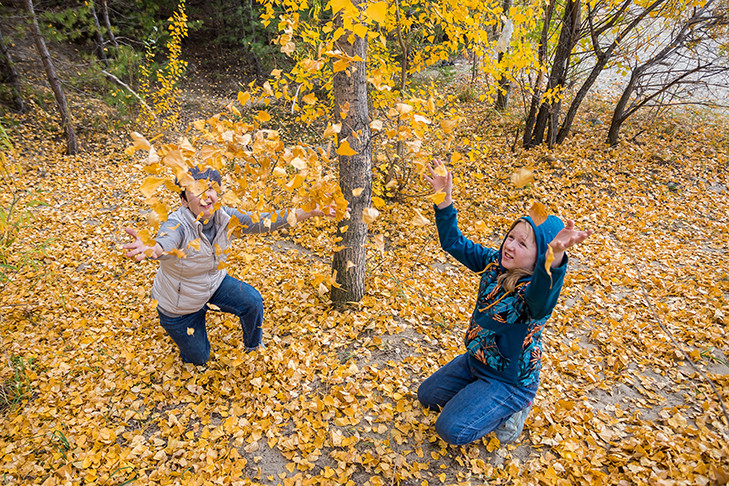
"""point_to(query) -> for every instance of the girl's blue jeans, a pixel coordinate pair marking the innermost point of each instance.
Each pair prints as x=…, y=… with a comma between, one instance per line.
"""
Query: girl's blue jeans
x=472, y=406
x=234, y=297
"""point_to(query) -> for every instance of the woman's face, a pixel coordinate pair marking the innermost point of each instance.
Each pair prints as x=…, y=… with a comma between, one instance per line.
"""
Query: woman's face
x=520, y=248
x=203, y=205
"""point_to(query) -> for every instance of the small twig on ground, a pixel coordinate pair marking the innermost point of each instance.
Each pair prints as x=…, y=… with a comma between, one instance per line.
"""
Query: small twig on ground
x=673, y=340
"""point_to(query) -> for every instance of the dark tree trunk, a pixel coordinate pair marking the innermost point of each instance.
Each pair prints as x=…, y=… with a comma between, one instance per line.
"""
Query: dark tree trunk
x=71, y=143
x=537, y=94
x=502, y=98
x=549, y=110
x=355, y=172
x=602, y=57
x=10, y=76
x=100, y=51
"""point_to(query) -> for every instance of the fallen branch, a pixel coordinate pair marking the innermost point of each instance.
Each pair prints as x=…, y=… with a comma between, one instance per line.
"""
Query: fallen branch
x=128, y=88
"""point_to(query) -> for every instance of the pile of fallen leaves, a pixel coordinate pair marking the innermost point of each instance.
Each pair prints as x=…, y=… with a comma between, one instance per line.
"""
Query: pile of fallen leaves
x=635, y=376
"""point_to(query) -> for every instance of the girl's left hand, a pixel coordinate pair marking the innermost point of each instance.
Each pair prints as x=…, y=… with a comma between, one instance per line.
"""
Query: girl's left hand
x=568, y=237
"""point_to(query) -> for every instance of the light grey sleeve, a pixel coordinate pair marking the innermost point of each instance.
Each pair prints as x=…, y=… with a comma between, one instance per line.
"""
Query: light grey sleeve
x=170, y=234
x=249, y=227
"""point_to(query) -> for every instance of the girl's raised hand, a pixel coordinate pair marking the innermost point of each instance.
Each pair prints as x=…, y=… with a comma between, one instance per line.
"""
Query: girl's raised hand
x=568, y=237
x=441, y=180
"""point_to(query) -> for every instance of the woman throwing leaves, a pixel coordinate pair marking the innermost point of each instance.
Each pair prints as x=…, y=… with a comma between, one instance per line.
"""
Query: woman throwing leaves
x=492, y=385
x=192, y=246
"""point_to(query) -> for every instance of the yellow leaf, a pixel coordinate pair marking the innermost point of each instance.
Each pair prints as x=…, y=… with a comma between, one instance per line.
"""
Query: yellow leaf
x=344, y=110
x=437, y=198
x=150, y=185
x=357, y=192
x=376, y=125
x=140, y=143
x=309, y=99
x=195, y=244
x=379, y=202
x=345, y=149
x=377, y=12
x=332, y=129
x=379, y=242
x=420, y=220
x=522, y=177
x=538, y=213
x=448, y=125
x=403, y=108
x=441, y=171
x=340, y=65
x=244, y=98
x=263, y=116
x=369, y=215
x=178, y=253
x=190, y=331
x=548, y=259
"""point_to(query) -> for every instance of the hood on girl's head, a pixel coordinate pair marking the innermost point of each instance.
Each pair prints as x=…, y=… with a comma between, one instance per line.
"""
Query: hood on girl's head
x=543, y=233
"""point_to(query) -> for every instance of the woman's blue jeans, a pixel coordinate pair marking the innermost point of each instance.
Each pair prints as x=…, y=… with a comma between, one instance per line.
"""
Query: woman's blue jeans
x=234, y=297
x=472, y=406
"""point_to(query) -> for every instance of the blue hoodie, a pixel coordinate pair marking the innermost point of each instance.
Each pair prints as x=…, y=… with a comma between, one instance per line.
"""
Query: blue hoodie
x=505, y=329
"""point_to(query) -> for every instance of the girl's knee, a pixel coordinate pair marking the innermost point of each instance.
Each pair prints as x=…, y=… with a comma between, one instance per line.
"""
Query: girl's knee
x=426, y=398
x=453, y=431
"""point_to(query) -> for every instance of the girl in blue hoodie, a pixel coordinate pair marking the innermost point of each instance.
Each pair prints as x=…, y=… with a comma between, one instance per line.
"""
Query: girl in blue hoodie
x=492, y=385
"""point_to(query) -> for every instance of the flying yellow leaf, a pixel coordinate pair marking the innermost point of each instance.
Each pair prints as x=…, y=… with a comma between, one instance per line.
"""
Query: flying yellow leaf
x=263, y=116
x=332, y=129
x=369, y=215
x=538, y=213
x=178, y=253
x=195, y=244
x=376, y=125
x=448, y=125
x=379, y=242
x=522, y=177
x=357, y=192
x=140, y=143
x=150, y=185
x=403, y=108
x=441, y=171
x=309, y=99
x=377, y=12
x=244, y=98
x=548, y=259
x=345, y=149
x=437, y=198
x=419, y=219
x=340, y=65
x=190, y=331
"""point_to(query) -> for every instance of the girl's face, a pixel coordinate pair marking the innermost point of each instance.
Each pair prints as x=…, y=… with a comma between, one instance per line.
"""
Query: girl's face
x=202, y=205
x=520, y=248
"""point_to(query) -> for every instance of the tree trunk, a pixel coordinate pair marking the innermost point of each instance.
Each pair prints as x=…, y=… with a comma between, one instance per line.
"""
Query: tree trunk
x=537, y=91
x=619, y=112
x=355, y=172
x=10, y=76
x=549, y=111
x=107, y=23
x=602, y=58
x=71, y=143
x=99, y=37
x=502, y=98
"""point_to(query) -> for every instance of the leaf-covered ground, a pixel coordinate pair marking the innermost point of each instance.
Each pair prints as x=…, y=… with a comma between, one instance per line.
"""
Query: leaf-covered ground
x=332, y=398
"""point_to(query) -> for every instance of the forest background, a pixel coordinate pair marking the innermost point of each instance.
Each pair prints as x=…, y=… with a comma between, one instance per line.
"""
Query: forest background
x=612, y=114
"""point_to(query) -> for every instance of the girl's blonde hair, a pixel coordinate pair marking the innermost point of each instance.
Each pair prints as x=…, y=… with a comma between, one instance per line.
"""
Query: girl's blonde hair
x=510, y=278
